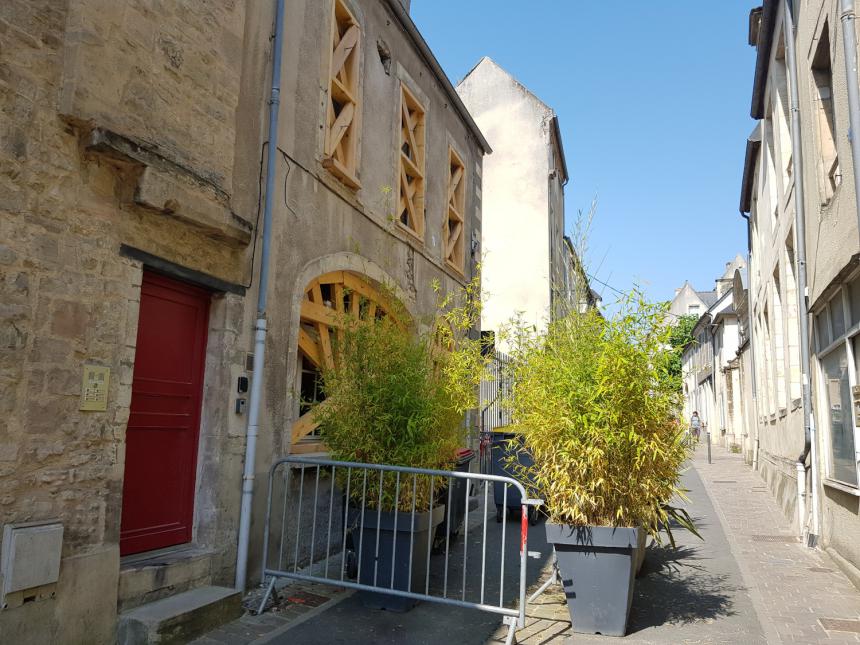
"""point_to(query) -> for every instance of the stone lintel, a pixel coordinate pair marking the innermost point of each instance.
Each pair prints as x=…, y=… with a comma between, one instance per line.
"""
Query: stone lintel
x=172, y=189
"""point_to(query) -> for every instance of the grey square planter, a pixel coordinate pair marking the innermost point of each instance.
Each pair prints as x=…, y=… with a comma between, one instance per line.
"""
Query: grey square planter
x=597, y=566
x=382, y=524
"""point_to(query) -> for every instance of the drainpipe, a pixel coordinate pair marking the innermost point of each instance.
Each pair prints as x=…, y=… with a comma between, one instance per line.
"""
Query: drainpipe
x=262, y=298
x=751, y=323
x=800, y=233
x=849, y=44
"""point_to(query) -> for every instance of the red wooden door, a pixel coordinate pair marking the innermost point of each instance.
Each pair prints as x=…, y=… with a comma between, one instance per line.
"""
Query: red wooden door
x=161, y=440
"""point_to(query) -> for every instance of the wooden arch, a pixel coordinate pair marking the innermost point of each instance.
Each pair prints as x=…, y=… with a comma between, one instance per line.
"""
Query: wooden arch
x=325, y=303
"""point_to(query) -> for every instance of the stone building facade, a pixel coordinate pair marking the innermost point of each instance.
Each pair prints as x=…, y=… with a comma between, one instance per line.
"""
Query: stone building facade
x=828, y=510
x=132, y=139
x=523, y=214
x=712, y=384
x=689, y=302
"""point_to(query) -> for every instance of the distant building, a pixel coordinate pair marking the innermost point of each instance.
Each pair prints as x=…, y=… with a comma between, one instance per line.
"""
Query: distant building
x=711, y=385
x=689, y=302
x=527, y=266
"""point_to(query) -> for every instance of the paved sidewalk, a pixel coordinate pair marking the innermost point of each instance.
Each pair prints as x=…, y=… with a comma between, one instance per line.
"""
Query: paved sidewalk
x=695, y=594
x=799, y=594
x=749, y=581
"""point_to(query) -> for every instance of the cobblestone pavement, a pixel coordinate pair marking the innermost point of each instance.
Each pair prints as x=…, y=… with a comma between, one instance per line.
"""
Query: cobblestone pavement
x=695, y=594
x=749, y=581
x=797, y=592
x=784, y=593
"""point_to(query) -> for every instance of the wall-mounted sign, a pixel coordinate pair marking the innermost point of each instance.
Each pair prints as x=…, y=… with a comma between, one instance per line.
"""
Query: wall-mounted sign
x=95, y=388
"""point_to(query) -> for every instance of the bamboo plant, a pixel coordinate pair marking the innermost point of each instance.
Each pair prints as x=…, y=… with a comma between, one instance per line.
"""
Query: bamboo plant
x=594, y=401
x=396, y=395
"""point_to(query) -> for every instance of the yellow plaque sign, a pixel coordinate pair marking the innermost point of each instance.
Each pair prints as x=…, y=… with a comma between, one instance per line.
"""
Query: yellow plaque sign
x=95, y=388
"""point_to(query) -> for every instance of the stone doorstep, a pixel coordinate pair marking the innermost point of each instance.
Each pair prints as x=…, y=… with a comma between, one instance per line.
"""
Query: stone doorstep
x=152, y=576
x=180, y=618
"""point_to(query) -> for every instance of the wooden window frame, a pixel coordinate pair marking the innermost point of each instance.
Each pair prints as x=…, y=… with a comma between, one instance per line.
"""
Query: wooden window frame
x=343, y=109
x=410, y=166
x=326, y=299
x=454, y=229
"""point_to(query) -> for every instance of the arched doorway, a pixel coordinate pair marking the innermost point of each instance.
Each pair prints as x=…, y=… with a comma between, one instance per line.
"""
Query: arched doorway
x=325, y=301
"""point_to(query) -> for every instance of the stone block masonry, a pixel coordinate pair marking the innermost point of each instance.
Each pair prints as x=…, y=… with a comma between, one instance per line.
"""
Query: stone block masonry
x=166, y=83
x=131, y=136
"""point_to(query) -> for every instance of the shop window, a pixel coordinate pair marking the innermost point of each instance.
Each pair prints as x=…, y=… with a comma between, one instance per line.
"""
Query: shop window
x=837, y=316
x=854, y=298
x=837, y=412
x=822, y=330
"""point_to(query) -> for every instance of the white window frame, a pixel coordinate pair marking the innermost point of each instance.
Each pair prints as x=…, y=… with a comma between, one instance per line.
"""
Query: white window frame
x=844, y=341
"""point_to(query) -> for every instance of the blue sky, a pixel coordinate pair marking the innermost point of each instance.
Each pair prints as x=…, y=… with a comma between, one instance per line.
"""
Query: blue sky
x=653, y=100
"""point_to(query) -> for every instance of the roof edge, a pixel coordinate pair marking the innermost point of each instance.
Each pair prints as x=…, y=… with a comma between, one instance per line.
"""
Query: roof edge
x=748, y=178
x=557, y=131
x=762, y=61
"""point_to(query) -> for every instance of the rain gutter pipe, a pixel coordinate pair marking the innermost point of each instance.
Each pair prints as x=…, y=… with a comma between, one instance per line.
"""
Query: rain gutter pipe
x=802, y=290
x=751, y=332
x=262, y=299
x=849, y=44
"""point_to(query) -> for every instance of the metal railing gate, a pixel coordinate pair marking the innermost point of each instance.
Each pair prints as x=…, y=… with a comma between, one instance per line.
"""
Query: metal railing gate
x=346, y=520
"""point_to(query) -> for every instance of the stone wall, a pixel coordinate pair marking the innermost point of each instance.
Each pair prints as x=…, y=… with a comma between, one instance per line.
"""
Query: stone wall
x=107, y=143
x=131, y=137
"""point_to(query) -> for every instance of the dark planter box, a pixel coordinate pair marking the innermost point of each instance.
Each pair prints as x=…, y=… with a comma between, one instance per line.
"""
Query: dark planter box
x=597, y=566
x=642, y=548
x=389, y=536
x=458, y=498
x=502, y=451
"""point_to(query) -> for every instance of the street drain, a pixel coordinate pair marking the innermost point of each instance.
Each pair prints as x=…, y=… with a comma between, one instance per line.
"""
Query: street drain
x=840, y=625
x=785, y=539
x=724, y=481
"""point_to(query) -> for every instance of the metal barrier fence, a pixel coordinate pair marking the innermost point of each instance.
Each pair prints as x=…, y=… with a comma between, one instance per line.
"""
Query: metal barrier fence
x=354, y=543
x=495, y=389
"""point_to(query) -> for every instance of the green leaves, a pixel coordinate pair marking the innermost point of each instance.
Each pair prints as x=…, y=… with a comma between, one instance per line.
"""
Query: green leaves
x=593, y=403
x=394, y=396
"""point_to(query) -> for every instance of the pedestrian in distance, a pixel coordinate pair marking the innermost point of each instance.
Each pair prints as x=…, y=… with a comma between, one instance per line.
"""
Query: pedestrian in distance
x=696, y=425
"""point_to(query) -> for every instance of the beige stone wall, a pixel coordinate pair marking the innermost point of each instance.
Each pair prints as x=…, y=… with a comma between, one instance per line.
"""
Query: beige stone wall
x=518, y=203
x=170, y=81
x=106, y=140
x=832, y=240
x=133, y=126
x=320, y=225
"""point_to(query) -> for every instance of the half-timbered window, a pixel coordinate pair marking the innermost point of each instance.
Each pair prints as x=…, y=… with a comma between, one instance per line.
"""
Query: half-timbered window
x=455, y=224
x=341, y=141
x=410, y=209
x=327, y=302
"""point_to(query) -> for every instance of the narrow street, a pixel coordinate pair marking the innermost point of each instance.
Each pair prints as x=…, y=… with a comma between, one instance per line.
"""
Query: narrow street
x=312, y=311
x=748, y=581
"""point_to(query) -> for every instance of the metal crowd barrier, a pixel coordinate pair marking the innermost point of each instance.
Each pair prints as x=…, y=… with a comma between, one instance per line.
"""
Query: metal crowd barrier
x=326, y=541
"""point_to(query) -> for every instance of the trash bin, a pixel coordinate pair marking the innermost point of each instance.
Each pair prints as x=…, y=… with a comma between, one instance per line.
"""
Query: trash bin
x=502, y=450
x=458, y=497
